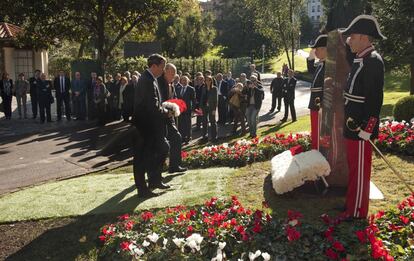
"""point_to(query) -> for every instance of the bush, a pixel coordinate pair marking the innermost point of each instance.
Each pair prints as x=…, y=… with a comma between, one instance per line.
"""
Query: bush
x=404, y=109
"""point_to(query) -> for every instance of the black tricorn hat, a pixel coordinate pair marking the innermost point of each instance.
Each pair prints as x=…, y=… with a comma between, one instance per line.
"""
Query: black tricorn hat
x=364, y=24
x=320, y=41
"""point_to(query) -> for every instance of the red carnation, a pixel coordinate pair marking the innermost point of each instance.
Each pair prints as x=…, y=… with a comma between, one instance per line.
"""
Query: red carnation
x=338, y=246
x=169, y=221
x=124, y=245
x=190, y=229
x=129, y=225
x=147, y=216
x=331, y=254
x=123, y=217
x=404, y=219
x=292, y=234
x=361, y=236
x=211, y=232
x=102, y=238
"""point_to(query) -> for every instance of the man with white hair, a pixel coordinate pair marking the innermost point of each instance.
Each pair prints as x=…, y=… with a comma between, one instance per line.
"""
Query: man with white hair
x=173, y=135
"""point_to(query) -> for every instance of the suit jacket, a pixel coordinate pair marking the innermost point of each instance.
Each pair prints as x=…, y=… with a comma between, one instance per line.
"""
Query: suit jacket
x=33, y=87
x=58, y=87
x=209, y=98
x=148, y=116
x=78, y=86
x=276, y=87
x=44, y=91
x=128, y=96
x=223, y=88
x=189, y=96
x=289, y=88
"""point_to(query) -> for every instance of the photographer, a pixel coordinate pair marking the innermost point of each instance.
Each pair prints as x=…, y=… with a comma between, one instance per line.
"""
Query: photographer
x=255, y=95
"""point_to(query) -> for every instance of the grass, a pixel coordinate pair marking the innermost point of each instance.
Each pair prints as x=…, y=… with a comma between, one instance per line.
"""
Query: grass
x=277, y=63
x=108, y=193
x=214, y=53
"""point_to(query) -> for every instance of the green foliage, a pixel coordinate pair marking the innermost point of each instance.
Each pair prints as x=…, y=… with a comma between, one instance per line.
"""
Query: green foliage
x=404, y=108
x=103, y=23
x=186, y=35
x=238, y=33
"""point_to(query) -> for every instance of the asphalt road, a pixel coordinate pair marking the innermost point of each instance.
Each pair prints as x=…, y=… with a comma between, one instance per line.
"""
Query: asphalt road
x=33, y=153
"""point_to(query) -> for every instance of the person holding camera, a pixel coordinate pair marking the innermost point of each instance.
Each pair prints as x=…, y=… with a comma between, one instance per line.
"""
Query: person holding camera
x=255, y=96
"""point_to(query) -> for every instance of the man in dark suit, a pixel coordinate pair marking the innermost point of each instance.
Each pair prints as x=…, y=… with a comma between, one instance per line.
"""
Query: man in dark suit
x=186, y=93
x=276, y=91
x=223, y=91
x=33, y=92
x=89, y=92
x=173, y=135
x=150, y=145
x=62, y=87
x=289, y=86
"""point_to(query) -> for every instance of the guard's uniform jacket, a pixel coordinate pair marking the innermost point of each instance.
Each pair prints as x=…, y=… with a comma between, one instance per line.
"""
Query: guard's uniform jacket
x=363, y=93
x=317, y=83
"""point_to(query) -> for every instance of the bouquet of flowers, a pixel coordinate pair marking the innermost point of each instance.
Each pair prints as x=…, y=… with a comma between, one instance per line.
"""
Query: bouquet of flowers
x=177, y=106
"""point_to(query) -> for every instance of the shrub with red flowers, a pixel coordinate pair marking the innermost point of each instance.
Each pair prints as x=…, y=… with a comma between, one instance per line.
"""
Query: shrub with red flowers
x=390, y=234
x=396, y=137
x=244, y=152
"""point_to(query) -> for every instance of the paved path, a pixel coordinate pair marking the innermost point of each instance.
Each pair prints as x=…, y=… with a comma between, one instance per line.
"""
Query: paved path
x=33, y=153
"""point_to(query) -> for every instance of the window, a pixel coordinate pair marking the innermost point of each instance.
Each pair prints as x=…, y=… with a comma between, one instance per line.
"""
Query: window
x=318, y=17
x=319, y=8
x=23, y=62
x=313, y=9
x=313, y=18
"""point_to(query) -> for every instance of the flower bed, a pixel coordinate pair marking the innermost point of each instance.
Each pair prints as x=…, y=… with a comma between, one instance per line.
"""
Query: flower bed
x=390, y=233
x=217, y=230
x=396, y=137
x=244, y=152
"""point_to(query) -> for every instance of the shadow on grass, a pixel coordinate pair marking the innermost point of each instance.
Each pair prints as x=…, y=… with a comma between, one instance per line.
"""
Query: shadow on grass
x=276, y=128
x=79, y=236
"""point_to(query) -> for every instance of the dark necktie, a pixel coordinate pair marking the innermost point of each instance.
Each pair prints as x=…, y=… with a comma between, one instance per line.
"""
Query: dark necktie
x=62, y=86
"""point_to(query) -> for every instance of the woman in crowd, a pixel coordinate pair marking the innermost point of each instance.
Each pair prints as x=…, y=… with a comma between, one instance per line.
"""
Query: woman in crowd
x=21, y=88
x=208, y=102
x=235, y=99
x=100, y=96
x=6, y=91
x=122, y=85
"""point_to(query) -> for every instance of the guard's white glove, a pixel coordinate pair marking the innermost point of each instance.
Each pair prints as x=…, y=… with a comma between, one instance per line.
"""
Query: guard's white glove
x=364, y=135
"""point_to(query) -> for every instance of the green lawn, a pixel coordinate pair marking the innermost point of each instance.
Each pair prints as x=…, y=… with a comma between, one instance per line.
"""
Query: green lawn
x=109, y=193
x=277, y=63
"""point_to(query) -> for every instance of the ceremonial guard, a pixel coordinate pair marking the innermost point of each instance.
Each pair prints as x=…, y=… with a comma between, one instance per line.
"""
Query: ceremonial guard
x=363, y=101
x=318, y=51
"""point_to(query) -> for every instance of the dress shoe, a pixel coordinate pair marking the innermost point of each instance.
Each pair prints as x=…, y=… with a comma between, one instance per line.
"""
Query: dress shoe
x=146, y=193
x=294, y=120
x=283, y=120
x=177, y=169
x=271, y=111
x=159, y=186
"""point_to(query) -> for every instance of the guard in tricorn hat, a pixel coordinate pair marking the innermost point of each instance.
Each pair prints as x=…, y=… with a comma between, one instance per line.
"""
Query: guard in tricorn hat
x=318, y=51
x=363, y=101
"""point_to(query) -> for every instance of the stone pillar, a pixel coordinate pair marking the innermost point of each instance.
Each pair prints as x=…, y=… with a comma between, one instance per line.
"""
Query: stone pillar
x=9, y=64
x=332, y=142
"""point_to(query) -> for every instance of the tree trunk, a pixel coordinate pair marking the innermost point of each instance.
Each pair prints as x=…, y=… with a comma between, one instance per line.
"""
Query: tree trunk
x=412, y=78
x=293, y=38
x=81, y=50
x=100, y=44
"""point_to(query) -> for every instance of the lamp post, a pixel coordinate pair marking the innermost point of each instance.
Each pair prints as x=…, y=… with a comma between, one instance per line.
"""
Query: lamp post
x=263, y=57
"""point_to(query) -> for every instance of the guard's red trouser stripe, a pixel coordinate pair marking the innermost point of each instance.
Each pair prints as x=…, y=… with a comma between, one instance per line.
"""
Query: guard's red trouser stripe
x=314, y=116
x=359, y=155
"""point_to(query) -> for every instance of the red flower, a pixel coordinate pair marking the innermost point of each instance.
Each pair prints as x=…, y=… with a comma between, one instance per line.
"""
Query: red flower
x=211, y=232
x=404, y=219
x=129, y=225
x=108, y=231
x=338, y=246
x=257, y=228
x=294, y=215
x=328, y=233
x=184, y=154
x=125, y=245
x=331, y=254
x=326, y=219
x=380, y=214
x=190, y=229
x=361, y=236
x=123, y=217
x=292, y=234
x=147, y=216
x=102, y=238
x=169, y=221
x=233, y=222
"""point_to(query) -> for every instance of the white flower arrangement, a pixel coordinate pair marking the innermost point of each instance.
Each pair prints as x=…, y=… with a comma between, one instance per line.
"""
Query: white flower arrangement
x=170, y=106
x=289, y=172
x=153, y=237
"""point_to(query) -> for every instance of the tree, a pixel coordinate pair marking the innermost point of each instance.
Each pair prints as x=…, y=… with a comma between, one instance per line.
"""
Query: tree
x=237, y=32
x=396, y=18
x=187, y=33
x=104, y=22
x=276, y=20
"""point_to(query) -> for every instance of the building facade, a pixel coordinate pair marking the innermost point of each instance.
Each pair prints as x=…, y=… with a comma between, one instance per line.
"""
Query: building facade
x=15, y=60
x=314, y=10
